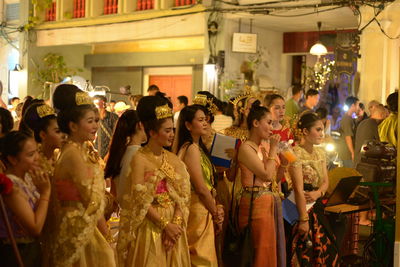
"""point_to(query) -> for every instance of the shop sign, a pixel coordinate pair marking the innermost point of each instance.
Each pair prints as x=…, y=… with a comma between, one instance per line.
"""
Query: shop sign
x=344, y=60
x=244, y=42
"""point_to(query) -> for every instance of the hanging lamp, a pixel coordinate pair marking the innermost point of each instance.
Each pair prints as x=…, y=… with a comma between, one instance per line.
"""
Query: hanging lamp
x=318, y=49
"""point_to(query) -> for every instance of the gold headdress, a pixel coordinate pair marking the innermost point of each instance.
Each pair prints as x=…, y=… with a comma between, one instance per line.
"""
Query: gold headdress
x=236, y=101
x=163, y=112
x=44, y=111
x=202, y=100
x=82, y=98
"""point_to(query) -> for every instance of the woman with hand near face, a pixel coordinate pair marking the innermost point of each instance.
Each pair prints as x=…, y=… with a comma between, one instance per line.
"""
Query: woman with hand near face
x=205, y=216
x=313, y=243
x=76, y=240
x=154, y=215
x=259, y=172
x=28, y=201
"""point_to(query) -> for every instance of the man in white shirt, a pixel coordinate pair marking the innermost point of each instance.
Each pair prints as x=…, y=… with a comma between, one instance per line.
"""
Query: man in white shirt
x=221, y=121
x=182, y=102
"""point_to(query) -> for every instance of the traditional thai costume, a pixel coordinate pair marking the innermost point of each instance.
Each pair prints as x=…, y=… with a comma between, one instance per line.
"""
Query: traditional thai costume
x=75, y=238
x=29, y=246
x=200, y=229
x=324, y=251
x=267, y=221
x=166, y=187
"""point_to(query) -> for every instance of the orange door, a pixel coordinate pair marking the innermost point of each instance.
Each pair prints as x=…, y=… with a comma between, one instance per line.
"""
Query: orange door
x=173, y=86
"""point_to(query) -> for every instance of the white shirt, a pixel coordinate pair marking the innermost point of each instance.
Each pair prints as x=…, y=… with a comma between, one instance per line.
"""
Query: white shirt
x=221, y=122
x=176, y=116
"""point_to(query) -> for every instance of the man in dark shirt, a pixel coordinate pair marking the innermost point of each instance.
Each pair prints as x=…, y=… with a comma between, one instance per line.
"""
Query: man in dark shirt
x=367, y=130
x=106, y=126
x=347, y=132
x=312, y=99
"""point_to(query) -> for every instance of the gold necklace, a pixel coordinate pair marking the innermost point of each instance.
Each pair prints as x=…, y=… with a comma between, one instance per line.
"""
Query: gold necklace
x=165, y=167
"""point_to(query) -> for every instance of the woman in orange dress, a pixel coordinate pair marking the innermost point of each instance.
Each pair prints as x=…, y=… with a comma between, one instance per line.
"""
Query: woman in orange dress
x=259, y=172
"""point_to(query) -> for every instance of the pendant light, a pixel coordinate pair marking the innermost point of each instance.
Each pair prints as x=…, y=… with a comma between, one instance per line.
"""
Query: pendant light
x=318, y=49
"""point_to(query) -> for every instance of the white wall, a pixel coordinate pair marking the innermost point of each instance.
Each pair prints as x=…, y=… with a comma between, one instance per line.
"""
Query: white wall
x=275, y=66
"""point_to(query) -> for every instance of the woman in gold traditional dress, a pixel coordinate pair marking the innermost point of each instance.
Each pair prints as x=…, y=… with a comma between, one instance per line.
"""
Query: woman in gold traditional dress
x=310, y=182
x=205, y=217
x=76, y=239
x=154, y=216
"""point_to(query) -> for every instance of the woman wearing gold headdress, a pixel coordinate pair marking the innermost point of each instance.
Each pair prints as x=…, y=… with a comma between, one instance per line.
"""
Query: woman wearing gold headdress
x=42, y=120
x=154, y=215
x=75, y=237
x=259, y=172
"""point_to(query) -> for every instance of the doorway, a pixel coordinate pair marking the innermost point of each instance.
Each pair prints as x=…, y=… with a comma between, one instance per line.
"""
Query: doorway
x=173, y=82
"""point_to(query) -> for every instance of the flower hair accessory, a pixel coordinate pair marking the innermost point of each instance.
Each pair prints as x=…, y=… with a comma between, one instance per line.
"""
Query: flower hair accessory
x=163, y=112
x=82, y=98
x=44, y=111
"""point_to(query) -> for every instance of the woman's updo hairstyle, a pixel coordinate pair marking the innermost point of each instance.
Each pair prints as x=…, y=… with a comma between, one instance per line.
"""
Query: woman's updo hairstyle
x=37, y=118
x=307, y=120
x=146, y=109
x=211, y=107
x=257, y=112
x=71, y=103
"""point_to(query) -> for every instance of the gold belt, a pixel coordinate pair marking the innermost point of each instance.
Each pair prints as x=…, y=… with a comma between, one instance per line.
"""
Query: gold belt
x=163, y=200
x=256, y=188
x=257, y=191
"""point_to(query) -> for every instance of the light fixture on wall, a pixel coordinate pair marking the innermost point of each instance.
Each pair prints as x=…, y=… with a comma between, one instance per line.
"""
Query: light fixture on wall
x=17, y=67
x=318, y=49
x=13, y=80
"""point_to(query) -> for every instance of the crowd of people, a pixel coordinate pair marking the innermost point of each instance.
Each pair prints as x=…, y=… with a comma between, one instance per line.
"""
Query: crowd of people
x=72, y=166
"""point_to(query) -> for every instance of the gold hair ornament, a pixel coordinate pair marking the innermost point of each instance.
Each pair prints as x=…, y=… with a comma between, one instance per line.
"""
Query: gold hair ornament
x=236, y=101
x=163, y=112
x=202, y=100
x=82, y=98
x=44, y=111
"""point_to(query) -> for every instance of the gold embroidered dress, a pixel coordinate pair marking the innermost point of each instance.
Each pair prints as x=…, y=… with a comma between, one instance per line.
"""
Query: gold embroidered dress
x=200, y=230
x=165, y=187
x=324, y=251
x=76, y=241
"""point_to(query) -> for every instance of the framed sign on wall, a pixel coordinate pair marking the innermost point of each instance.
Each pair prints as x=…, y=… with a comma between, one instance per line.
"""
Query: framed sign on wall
x=244, y=42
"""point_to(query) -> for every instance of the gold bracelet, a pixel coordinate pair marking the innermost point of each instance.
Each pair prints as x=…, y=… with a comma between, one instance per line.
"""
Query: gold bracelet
x=177, y=220
x=163, y=223
x=284, y=166
x=303, y=219
x=273, y=158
